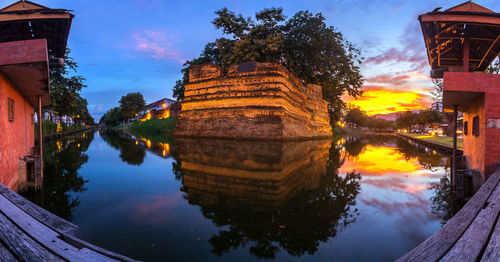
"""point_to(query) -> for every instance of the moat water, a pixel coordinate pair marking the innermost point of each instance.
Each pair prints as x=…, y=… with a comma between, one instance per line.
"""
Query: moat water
x=368, y=198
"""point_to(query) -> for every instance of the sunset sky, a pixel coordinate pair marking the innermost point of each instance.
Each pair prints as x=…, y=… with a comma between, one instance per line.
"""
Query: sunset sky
x=140, y=45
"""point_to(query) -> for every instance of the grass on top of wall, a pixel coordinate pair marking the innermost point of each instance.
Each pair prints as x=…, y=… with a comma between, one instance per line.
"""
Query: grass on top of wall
x=154, y=127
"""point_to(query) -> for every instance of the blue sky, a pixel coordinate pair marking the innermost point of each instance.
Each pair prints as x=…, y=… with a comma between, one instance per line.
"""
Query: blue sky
x=125, y=46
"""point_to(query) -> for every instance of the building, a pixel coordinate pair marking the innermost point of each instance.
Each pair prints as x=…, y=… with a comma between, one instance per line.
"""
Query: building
x=32, y=38
x=252, y=101
x=461, y=43
x=163, y=108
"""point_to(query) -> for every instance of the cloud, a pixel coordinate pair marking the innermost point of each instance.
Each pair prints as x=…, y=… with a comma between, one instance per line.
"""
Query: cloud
x=156, y=45
x=397, y=79
x=411, y=50
x=383, y=100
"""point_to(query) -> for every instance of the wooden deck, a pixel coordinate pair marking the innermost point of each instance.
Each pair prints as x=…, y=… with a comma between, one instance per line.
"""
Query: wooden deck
x=30, y=233
x=473, y=234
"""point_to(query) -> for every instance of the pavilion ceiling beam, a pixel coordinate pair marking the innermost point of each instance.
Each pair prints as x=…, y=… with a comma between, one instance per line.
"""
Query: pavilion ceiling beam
x=488, y=51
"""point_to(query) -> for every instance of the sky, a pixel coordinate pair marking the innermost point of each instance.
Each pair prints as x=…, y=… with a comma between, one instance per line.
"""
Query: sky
x=124, y=46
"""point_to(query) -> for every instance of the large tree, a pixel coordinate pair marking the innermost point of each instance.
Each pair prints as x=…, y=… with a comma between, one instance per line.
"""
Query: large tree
x=304, y=44
x=354, y=116
x=131, y=104
x=65, y=89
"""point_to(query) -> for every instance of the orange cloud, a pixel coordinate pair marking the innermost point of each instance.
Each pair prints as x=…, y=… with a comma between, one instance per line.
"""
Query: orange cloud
x=380, y=100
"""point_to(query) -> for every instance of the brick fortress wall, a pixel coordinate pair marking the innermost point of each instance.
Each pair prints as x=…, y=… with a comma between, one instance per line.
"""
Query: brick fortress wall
x=251, y=101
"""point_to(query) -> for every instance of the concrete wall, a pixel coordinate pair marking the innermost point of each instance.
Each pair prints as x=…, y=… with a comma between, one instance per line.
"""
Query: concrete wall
x=17, y=137
x=482, y=152
x=251, y=101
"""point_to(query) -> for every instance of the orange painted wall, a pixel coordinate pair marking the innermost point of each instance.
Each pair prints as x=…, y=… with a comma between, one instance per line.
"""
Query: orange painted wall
x=482, y=152
x=474, y=145
x=17, y=137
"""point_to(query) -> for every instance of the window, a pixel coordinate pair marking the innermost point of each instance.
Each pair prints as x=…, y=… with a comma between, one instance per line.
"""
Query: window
x=466, y=128
x=10, y=109
x=475, y=126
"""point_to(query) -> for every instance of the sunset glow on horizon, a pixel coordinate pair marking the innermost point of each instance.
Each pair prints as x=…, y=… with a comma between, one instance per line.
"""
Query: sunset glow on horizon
x=384, y=101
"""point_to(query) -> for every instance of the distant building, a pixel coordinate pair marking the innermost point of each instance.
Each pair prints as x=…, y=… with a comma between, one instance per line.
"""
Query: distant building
x=163, y=108
x=438, y=106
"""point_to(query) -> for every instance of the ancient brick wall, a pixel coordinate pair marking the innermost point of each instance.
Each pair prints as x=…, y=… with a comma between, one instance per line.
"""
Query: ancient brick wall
x=16, y=136
x=251, y=101
x=483, y=151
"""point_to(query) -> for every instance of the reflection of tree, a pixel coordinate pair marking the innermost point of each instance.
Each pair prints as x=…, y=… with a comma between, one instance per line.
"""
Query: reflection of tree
x=426, y=157
x=444, y=202
x=62, y=161
x=298, y=226
x=131, y=152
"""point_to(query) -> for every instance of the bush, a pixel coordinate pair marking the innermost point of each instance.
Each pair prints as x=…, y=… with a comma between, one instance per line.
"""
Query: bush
x=154, y=127
x=50, y=127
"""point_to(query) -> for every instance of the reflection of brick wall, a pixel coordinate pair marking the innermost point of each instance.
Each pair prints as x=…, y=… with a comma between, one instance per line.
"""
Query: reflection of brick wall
x=482, y=152
x=262, y=173
x=253, y=100
x=17, y=137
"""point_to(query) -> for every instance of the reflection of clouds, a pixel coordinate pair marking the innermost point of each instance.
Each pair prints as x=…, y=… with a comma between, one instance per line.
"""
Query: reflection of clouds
x=380, y=161
x=411, y=216
x=157, y=209
x=397, y=184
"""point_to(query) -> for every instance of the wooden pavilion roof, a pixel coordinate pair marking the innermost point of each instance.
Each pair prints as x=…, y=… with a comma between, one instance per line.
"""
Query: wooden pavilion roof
x=447, y=32
x=24, y=20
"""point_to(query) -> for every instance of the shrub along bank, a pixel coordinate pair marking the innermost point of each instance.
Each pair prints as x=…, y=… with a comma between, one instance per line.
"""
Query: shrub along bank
x=154, y=127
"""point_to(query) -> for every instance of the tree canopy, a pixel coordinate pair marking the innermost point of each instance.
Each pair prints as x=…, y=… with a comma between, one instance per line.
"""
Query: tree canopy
x=65, y=88
x=112, y=117
x=354, y=116
x=304, y=44
x=131, y=104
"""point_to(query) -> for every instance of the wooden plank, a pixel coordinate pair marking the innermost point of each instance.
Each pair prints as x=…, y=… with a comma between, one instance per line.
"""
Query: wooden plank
x=5, y=254
x=470, y=245
x=437, y=245
x=56, y=223
x=492, y=252
x=46, y=236
x=78, y=242
x=23, y=247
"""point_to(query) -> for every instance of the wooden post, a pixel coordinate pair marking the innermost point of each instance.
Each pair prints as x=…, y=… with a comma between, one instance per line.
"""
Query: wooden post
x=40, y=135
x=466, y=55
x=454, y=153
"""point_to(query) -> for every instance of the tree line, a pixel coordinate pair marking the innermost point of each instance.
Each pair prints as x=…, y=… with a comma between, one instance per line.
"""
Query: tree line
x=130, y=106
x=356, y=117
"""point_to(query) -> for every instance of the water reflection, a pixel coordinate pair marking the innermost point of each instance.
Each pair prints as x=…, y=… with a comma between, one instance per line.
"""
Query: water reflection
x=226, y=199
x=63, y=159
x=131, y=152
x=268, y=195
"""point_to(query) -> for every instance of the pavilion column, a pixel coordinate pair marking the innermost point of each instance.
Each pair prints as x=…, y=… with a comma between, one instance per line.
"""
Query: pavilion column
x=454, y=152
x=40, y=135
x=466, y=56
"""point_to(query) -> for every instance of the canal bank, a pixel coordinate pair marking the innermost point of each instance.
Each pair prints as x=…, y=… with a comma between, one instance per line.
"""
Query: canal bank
x=432, y=144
